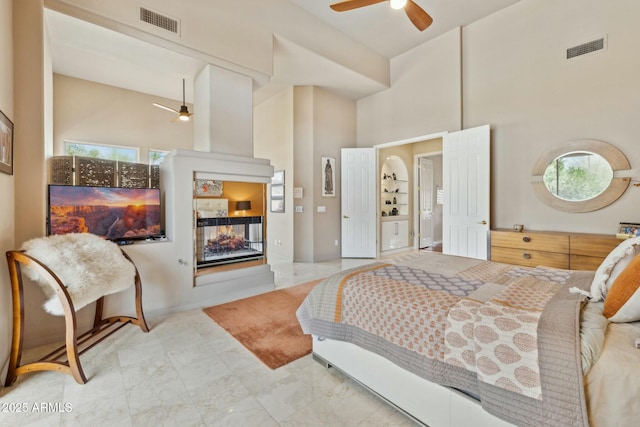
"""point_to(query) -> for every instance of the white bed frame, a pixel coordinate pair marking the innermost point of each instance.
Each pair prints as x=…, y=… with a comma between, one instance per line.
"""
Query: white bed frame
x=426, y=402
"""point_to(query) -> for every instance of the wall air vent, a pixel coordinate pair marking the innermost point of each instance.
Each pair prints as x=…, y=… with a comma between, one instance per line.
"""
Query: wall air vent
x=158, y=20
x=589, y=47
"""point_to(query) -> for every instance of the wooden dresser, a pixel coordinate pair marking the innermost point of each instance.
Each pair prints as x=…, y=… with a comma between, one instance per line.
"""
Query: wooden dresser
x=574, y=251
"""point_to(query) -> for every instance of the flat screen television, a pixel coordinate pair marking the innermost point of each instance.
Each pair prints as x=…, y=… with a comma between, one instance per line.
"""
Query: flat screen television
x=112, y=213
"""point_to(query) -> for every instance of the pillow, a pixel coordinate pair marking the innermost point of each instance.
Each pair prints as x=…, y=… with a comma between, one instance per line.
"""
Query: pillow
x=622, y=303
x=612, y=266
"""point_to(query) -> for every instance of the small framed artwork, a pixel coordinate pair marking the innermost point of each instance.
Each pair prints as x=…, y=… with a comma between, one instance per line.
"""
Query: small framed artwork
x=278, y=178
x=6, y=144
x=328, y=176
x=628, y=229
x=207, y=188
x=277, y=205
x=277, y=192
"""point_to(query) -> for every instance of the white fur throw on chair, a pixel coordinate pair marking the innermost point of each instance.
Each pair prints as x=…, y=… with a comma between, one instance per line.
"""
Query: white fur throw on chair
x=88, y=266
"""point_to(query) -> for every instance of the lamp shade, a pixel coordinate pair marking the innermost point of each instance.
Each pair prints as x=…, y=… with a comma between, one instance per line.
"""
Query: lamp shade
x=244, y=205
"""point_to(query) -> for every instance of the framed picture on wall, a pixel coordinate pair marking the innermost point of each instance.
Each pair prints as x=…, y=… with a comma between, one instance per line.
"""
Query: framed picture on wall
x=277, y=205
x=277, y=192
x=278, y=178
x=328, y=177
x=6, y=144
x=628, y=229
x=207, y=188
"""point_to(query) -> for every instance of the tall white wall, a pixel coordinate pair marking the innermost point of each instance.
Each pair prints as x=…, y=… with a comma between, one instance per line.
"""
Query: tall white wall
x=224, y=121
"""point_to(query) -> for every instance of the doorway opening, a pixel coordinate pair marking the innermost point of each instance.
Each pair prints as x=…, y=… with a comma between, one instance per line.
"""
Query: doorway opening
x=429, y=199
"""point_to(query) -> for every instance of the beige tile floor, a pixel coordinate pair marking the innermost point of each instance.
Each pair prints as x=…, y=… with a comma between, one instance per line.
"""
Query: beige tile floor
x=188, y=371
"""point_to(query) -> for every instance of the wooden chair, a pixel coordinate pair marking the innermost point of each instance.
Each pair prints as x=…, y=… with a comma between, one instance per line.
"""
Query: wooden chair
x=66, y=358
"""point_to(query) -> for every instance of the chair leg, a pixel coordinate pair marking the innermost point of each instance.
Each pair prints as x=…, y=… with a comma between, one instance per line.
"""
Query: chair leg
x=71, y=343
x=141, y=321
x=18, y=320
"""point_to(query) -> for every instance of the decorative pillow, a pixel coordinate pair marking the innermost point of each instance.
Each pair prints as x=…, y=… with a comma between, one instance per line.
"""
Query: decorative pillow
x=622, y=303
x=612, y=266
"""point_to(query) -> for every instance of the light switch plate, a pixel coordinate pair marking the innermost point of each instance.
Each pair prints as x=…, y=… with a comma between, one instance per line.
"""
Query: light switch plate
x=299, y=209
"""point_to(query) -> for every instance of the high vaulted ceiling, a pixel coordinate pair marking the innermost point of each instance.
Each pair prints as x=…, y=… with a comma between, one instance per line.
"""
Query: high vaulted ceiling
x=84, y=50
x=389, y=32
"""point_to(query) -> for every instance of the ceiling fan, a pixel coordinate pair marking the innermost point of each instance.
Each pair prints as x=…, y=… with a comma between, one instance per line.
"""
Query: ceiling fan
x=183, y=114
x=416, y=14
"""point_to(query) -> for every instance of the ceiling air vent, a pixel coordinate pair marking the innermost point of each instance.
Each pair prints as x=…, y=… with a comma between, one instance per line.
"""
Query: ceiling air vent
x=583, y=49
x=158, y=20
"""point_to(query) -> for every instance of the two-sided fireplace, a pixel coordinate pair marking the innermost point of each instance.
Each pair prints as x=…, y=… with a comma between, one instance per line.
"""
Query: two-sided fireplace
x=229, y=240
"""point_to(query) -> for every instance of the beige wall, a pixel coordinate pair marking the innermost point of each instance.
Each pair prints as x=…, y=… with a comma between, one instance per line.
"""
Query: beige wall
x=96, y=113
x=7, y=214
x=508, y=70
x=303, y=159
x=324, y=123
x=273, y=139
x=517, y=79
x=334, y=128
x=424, y=97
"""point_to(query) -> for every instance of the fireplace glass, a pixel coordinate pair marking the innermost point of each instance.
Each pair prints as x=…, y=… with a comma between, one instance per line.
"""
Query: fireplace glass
x=228, y=240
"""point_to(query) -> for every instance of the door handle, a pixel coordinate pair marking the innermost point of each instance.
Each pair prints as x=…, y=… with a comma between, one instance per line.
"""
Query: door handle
x=345, y=216
x=483, y=222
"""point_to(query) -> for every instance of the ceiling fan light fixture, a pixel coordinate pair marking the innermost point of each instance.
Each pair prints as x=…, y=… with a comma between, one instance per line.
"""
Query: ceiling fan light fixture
x=184, y=113
x=398, y=4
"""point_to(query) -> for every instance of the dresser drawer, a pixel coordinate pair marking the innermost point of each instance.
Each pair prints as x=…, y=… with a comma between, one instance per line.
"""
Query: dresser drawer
x=593, y=246
x=584, y=262
x=547, y=242
x=529, y=258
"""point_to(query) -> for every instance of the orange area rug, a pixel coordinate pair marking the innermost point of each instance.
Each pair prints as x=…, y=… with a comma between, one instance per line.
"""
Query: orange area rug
x=266, y=324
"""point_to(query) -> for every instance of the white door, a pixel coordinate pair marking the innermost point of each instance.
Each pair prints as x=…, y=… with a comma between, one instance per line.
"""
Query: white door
x=425, y=198
x=466, y=183
x=358, y=192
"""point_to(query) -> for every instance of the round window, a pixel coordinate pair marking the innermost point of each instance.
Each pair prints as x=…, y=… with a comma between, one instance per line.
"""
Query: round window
x=578, y=176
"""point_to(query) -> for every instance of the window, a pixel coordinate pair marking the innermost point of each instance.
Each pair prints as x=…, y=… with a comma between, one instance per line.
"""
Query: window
x=578, y=176
x=156, y=156
x=101, y=151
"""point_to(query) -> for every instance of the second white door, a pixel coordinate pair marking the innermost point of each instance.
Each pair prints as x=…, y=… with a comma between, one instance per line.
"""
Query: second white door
x=466, y=185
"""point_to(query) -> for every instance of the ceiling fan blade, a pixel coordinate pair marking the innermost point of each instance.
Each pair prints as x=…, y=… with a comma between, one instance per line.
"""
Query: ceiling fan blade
x=165, y=108
x=353, y=4
x=417, y=15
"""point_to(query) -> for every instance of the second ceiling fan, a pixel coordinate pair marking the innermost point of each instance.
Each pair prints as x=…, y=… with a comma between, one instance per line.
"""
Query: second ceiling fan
x=416, y=14
x=183, y=114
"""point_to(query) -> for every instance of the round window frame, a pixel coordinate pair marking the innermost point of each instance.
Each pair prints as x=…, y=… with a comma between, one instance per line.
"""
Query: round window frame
x=616, y=159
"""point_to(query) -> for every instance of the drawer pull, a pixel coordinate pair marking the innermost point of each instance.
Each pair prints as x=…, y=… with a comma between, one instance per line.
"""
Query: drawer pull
x=526, y=239
x=526, y=255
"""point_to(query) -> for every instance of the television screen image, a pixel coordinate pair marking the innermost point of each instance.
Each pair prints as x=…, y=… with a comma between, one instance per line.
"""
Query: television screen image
x=112, y=213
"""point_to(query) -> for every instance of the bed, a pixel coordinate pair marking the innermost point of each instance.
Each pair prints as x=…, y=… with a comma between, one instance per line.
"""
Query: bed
x=454, y=341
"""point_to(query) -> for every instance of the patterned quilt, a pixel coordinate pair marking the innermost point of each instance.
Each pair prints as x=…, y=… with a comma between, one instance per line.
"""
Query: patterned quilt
x=508, y=335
